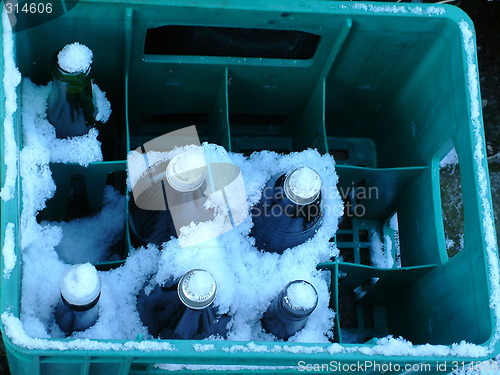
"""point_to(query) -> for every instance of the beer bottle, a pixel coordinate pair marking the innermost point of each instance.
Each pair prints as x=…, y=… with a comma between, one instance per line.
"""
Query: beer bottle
x=289, y=311
x=182, y=309
x=174, y=197
x=289, y=211
x=70, y=105
x=80, y=288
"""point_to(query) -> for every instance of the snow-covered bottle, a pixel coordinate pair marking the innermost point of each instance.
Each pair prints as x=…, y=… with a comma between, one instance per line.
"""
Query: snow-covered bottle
x=182, y=309
x=289, y=211
x=175, y=198
x=70, y=105
x=289, y=311
x=78, y=308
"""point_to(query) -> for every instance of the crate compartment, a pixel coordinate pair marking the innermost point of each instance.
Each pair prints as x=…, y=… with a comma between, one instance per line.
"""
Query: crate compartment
x=94, y=177
x=382, y=99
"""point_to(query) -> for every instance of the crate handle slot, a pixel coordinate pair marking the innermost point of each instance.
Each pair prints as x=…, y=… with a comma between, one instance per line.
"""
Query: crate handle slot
x=191, y=40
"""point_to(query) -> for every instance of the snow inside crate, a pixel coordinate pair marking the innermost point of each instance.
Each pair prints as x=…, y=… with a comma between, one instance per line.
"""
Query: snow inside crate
x=358, y=109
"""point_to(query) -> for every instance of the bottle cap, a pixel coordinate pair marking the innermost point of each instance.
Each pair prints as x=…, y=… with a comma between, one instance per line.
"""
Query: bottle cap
x=197, y=289
x=187, y=171
x=74, y=58
x=302, y=186
x=80, y=284
x=300, y=297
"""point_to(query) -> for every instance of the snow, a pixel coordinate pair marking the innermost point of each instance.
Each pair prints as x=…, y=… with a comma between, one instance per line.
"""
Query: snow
x=301, y=296
x=239, y=268
x=8, y=250
x=304, y=183
x=11, y=78
x=15, y=330
x=80, y=284
x=431, y=11
x=380, y=255
x=203, y=347
x=199, y=284
x=226, y=368
x=102, y=104
x=75, y=58
x=395, y=246
x=482, y=177
x=107, y=227
x=40, y=136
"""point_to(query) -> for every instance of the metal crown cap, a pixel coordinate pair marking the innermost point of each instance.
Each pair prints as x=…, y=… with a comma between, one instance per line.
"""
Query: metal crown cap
x=302, y=186
x=197, y=289
x=187, y=171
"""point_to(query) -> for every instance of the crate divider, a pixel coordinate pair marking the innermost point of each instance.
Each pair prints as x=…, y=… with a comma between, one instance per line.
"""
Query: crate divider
x=218, y=120
x=310, y=130
x=127, y=29
x=382, y=187
x=333, y=269
x=420, y=221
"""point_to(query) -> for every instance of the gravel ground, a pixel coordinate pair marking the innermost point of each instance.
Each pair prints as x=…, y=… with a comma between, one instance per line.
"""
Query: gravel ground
x=485, y=15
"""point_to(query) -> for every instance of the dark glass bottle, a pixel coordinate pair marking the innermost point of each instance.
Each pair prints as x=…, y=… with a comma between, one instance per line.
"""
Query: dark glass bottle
x=78, y=203
x=289, y=311
x=80, y=292
x=288, y=212
x=70, y=105
x=171, y=196
x=182, y=309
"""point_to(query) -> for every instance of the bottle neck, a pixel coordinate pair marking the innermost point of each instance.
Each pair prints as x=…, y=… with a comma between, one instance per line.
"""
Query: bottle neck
x=72, y=83
x=81, y=308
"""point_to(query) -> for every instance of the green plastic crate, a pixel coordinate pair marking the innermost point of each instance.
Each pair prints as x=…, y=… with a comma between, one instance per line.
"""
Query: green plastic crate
x=388, y=89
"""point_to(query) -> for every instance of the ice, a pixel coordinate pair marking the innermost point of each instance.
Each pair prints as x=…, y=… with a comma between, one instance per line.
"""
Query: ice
x=75, y=58
x=107, y=227
x=11, y=78
x=80, y=284
x=8, y=250
x=40, y=135
x=102, y=104
x=301, y=296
